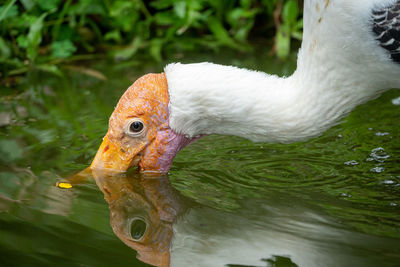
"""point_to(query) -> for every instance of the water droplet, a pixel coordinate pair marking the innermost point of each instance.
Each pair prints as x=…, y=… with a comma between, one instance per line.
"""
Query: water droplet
x=351, y=163
x=377, y=169
x=396, y=101
x=381, y=133
x=370, y=129
x=379, y=154
x=345, y=195
x=340, y=136
x=393, y=204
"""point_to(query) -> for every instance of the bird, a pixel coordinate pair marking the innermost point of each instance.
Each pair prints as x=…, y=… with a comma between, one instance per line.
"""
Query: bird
x=350, y=54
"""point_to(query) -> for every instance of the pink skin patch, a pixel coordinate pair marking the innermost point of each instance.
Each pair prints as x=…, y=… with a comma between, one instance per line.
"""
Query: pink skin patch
x=175, y=143
x=169, y=144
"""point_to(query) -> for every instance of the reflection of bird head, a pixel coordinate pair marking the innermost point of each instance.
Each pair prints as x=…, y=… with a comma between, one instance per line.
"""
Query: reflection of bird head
x=142, y=212
x=138, y=130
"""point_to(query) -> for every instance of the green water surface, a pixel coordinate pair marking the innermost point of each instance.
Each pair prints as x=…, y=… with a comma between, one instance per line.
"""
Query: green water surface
x=330, y=201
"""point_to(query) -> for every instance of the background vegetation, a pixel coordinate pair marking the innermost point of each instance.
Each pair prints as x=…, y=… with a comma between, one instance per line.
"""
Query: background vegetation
x=41, y=34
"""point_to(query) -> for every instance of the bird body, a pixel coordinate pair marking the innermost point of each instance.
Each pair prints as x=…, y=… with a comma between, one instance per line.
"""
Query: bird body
x=349, y=55
x=340, y=65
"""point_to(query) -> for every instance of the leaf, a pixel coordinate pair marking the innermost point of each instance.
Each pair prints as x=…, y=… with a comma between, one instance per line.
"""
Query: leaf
x=24, y=21
x=126, y=22
x=83, y=7
x=113, y=35
x=269, y=5
x=180, y=9
x=28, y=4
x=89, y=72
x=66, y=33
x=124, y=15
x=8, y=11
x=5, y=51
x=161, y=4
x=49, y=68
x=129, y=51
x=245, y=3
x=290, y=12
x=22, y=41
x=164, y=18
x=220, y=33
x=282, y=44
x=297, y=35
x=234, y=16
x=299, y=25
x=35, y=37
x=119, y=8
x=57, y=26
x=243, y=31
x=155, y=49
x=48, y=5
x=62, y=49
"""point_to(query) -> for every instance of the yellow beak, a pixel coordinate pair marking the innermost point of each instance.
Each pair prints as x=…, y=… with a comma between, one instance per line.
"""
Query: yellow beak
x=111, y=156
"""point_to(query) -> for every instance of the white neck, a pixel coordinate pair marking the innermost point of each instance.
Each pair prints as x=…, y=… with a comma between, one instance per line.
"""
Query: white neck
x=340, y=66
x=207, y=98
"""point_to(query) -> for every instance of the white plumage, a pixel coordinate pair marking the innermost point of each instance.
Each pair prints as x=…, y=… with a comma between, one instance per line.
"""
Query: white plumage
x=341, y=64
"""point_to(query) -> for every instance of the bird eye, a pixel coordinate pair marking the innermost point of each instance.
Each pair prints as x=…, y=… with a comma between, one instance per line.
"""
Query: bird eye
x=135, y=127
x=137, y=228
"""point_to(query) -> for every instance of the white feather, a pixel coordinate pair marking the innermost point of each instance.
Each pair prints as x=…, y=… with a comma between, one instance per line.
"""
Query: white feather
x=340, y=65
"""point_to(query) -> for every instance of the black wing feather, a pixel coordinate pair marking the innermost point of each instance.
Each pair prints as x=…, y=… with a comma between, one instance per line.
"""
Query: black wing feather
x=386, y=26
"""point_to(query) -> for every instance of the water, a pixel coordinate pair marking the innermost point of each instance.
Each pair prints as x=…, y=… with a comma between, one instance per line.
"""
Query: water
x=330, y=201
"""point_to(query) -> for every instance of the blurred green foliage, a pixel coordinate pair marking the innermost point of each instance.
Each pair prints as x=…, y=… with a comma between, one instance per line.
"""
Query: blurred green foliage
x=40, y=34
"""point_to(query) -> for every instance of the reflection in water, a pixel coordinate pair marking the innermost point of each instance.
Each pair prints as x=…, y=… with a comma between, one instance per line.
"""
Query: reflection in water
x=142, y=213
x=151, y=217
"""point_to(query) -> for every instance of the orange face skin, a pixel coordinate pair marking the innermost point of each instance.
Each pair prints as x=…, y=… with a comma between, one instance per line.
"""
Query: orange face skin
x=147, y=100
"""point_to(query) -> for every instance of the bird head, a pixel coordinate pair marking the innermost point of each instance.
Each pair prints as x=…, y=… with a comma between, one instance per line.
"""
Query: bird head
x=138, y=132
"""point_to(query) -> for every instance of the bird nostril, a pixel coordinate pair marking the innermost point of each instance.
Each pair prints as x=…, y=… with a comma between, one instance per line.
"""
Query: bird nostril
x=106, y=191
x=106, y=148
x=122, y=150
